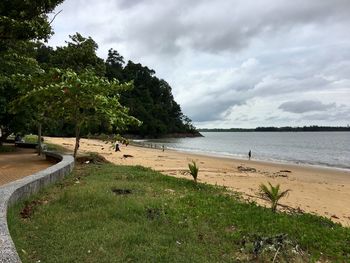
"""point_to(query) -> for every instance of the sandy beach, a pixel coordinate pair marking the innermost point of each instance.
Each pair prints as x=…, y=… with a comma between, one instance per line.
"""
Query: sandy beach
x=316, y=190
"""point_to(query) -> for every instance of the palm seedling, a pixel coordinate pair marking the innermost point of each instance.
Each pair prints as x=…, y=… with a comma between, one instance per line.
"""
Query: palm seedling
x=193, y=170
x=272, y=194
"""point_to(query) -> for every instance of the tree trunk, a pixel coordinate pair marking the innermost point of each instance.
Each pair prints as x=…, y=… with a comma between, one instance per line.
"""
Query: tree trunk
x=39, y=139
x=77, y=140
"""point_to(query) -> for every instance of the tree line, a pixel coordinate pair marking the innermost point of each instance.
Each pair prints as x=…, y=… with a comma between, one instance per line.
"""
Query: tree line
x=313, y=128
x=69, y=90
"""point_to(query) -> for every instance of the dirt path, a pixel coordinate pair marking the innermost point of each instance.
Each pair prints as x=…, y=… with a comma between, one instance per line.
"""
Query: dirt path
x=21, y=163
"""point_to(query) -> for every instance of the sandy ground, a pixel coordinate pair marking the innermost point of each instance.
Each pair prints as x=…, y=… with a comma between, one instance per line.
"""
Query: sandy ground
x=321, y=191
x=23, y=162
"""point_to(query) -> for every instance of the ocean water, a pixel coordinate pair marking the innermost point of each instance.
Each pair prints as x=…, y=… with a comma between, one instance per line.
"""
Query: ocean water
x=330, y=149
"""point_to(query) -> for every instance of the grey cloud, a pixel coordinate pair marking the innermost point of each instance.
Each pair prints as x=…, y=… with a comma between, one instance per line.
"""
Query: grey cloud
x=223, y=25
x=305, y=106
x=210, y=109
x=299, y=49
x=129, y=3
x=337, y=116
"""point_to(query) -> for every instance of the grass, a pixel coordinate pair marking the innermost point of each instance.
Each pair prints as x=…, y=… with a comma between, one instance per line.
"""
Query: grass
x=7, y=148
x=108, y=213
x=57, y=148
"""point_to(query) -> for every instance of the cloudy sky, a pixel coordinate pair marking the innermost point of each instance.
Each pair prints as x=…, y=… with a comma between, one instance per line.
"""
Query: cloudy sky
x=231, y=63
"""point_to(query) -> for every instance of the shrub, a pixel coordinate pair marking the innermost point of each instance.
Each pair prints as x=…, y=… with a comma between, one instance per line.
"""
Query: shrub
x=193, y=170
x=272, y=194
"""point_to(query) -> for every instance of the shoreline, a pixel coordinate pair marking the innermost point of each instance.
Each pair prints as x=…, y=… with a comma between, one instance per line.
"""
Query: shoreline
x=238, y=158
x=316, y=190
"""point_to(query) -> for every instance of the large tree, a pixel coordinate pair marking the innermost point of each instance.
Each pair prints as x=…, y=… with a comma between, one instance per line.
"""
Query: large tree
x=79, y=99
x=21, y=23
x=14, y=60
x=152, y=102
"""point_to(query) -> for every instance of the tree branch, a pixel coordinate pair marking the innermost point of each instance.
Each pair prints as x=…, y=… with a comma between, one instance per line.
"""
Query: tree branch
x=55, y=16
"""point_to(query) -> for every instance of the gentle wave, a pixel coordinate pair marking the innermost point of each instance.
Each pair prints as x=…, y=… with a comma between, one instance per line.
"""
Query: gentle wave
x=325, y=149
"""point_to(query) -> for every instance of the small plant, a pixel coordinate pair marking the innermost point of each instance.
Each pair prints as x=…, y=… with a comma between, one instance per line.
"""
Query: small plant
x=272, y=194
x=193, y=170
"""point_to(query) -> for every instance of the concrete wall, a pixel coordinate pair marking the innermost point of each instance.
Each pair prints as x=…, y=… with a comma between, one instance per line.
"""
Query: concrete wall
x=14, y=191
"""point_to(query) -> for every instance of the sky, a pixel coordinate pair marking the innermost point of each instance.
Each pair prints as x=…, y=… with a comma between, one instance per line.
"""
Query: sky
x=230, y=63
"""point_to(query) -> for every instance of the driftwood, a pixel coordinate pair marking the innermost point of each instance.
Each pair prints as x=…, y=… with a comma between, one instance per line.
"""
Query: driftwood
x=246, y=169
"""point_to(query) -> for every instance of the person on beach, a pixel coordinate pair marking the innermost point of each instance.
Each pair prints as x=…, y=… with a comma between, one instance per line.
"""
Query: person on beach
x=117, y=149
x=249, y=154
x=18, y=138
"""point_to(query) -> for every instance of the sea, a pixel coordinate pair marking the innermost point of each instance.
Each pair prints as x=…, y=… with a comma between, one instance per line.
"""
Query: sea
x=328, y=149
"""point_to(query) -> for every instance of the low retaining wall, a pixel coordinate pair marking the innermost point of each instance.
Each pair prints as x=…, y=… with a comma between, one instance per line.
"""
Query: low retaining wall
x=14, y=191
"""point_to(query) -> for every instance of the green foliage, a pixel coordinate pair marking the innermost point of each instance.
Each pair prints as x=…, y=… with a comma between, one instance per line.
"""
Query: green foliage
x=20, y=23
x=16, y=59
x=151, y=101
x=193, y=170
x=80, y=99
x=114, y=65
x=31, y=138
x=78, y=55
x=272, y=194
x=163, y=219
x=25, y=20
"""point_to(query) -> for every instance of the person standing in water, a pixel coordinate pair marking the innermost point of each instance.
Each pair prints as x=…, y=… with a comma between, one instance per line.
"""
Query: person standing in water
x=250, y=154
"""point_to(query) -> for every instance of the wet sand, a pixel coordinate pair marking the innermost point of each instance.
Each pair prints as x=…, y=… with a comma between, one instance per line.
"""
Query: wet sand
x=317, y=190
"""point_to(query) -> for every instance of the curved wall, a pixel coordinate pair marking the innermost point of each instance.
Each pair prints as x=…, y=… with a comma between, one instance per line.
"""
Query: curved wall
x=14, y=191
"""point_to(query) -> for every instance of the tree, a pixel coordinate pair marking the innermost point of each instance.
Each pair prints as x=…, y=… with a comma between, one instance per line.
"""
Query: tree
x=78, y=55
x=17, y=59
x=152, y=102
x=81, y=99
x=34, y=103
x=114, y=65
x=21, y=22
x=272, y=194
x=25, y=20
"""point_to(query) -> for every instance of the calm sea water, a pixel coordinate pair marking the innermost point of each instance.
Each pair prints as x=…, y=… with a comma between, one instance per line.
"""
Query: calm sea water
x=316, y=148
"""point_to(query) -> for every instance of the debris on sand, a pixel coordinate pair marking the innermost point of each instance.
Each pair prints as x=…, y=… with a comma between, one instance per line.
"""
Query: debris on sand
x=127, y=156
x=246, y=169
x=91, y=158
x=279, y=174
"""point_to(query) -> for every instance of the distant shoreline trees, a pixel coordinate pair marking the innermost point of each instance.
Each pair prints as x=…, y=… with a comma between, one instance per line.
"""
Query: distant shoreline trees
x=313, y=128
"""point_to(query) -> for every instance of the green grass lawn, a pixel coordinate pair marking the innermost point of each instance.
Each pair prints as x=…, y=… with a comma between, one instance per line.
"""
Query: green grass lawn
x=108, y=213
